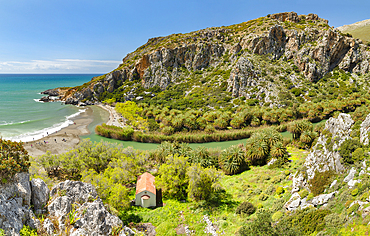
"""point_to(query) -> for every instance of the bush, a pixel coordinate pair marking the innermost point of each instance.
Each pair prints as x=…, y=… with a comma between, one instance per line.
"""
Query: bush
x=347, y=148
x=303, y=193
x=354, y=192
x=280, y=190
x=320, y=182
x=13, y=159
x=172, y=178
x=334, y=220
x=204, y=183
x=27, y=231
x=245, y=208
x=308, y=220
x=263, y=197
x=277, y=215
x=353, y=208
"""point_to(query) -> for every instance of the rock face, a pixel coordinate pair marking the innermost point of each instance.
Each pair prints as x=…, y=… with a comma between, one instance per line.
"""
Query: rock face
x=325, y=156
x=40, y=194
x=80, y=200
x=364, y=130
x=314, y=51
x=15, y=202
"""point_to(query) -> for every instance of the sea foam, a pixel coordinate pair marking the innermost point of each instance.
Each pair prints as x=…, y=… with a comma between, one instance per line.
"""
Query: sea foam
x=39, y=134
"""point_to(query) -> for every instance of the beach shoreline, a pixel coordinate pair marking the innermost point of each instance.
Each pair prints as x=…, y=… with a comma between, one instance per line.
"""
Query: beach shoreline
x=65, y=139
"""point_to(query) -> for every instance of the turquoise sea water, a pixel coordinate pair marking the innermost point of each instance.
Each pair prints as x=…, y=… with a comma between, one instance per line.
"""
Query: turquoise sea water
x=23, y=117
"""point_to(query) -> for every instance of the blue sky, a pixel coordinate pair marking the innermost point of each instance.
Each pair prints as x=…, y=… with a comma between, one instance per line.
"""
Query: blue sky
x=78, y=36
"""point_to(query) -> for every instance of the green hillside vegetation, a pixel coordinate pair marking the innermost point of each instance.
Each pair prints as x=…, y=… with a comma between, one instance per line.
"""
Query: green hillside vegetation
x=358, y=30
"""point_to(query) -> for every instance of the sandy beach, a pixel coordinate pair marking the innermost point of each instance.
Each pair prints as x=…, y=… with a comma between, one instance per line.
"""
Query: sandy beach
x=113, y=116
x=54, y=142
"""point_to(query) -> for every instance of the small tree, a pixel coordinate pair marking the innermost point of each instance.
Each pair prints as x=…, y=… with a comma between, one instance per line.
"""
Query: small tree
x=13, y=159
x=172, y=177
x=131, y=112
x=203, y=183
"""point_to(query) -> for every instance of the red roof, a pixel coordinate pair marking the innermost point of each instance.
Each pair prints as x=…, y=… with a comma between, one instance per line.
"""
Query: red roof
x=145, y=182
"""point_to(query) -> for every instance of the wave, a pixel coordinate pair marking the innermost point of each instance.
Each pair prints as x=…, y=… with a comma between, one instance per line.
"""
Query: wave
x=39, y=134
x=38, y=100
x=4, y=123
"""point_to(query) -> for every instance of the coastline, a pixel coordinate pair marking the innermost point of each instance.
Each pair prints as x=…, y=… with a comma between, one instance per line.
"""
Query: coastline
x=54, y=142
x=113, y=115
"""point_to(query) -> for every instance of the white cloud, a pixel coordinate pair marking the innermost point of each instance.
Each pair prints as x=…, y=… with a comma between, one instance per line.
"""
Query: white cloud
x=59, y=66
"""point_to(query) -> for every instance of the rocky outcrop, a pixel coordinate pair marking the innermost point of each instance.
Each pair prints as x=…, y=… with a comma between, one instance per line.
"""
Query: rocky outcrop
x=364, y=130
x=306, y=42
x=39, y=195
x=15, y=203
x=80, y=202
x=325, y=155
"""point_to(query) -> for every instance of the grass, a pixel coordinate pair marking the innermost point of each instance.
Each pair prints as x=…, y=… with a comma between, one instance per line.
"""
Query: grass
x=223, y=216
x=362, y=33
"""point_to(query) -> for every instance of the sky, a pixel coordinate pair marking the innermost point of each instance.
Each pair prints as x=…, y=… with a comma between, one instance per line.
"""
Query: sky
x=78, y=36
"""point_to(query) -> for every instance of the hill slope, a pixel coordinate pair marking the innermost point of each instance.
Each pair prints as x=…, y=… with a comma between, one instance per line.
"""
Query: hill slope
x=359, y=30
x=274, y=61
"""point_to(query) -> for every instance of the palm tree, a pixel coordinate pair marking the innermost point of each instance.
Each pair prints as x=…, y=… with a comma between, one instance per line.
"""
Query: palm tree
x=233, y=160
x=278, y=150
x=256, y=149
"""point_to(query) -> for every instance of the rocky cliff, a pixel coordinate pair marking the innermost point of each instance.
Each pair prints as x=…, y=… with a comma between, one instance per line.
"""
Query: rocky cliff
x=255, y=59
x=70, y=208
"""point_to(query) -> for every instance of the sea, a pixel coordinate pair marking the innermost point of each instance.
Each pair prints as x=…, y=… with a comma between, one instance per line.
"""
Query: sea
x=23, y=117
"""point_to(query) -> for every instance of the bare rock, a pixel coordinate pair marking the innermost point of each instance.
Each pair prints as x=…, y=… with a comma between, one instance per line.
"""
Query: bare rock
x=18, y=186
x=293, y=203
x=364, y=130
x=323, y=199
x=76, y=190
x=48, y=226
x=94, y=219
x=40, y=194
x=60, y=206
x=351, y=175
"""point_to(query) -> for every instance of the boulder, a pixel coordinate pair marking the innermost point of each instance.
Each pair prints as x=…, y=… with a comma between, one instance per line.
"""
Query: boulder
x=76, y=190
x=322, y=199
x=60, y=206
x=18, y=186
x=40, y=194
x=293, y=203
x=351, y=175
x=94, y=219
x=48, y=226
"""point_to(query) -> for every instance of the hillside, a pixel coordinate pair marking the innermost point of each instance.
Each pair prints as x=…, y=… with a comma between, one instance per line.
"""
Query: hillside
x=360, y=30
x=273, y=61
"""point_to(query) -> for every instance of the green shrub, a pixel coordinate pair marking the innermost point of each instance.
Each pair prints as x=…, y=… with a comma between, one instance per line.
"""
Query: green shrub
x=263, y=197
x=334, y=220
x=280, y=190
x=245, y=208
x=347, y=148
x=13, y=159
x=27, y=231
x=303, y=193
x=270, y=190
x=320, y=182
x=353, y=208
x=308, y=220
x=354, y=192
x=277, y=215
x=278, y=204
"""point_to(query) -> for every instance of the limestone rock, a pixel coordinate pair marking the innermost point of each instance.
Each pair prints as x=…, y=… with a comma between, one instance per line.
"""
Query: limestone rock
x=293, y=203
x=351, y=175
x=364, y=130
x=322, y=199
x=76, y=190
x=321, y=158
x=40, y=194
x=18, y=186
x=48, y=226
x=298, y=181
x=94, y=219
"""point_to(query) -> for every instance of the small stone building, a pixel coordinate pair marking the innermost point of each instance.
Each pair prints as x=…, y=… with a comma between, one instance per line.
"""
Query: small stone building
x=146, y=194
